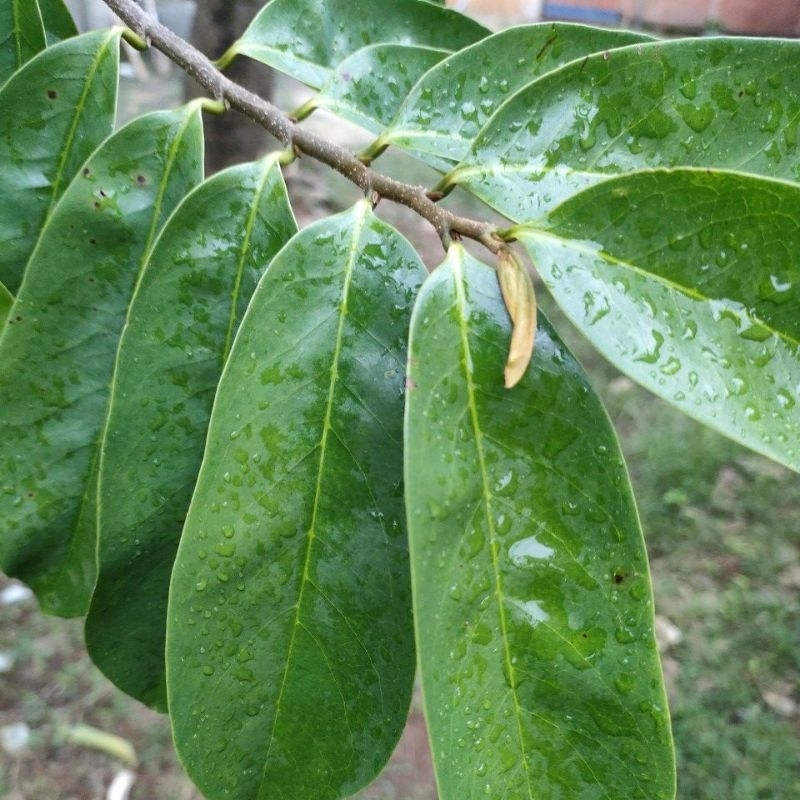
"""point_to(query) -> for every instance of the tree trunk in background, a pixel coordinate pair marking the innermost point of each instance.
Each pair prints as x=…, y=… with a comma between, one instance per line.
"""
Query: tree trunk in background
x=230, y=138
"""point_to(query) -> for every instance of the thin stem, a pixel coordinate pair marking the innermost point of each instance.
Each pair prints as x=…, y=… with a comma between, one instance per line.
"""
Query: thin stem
x=298, y=139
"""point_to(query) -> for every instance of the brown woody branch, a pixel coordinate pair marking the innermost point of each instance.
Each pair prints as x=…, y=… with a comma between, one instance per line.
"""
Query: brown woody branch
x=295, y=137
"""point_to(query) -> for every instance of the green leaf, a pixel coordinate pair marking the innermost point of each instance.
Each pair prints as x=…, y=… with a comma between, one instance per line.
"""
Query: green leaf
x=57, y=109
x=718, y=102
x=689, y=281
x=6, y=301
x=58, y=22
x=368, y=87
x=24, y=35
x=290, y=654
x=181, y=322
x=58, y=348
x=444, y=112
x=293, y=37
x=532, y=595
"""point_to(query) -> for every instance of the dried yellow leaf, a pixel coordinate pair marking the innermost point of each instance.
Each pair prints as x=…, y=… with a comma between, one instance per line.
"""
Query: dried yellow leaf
x=519, y=297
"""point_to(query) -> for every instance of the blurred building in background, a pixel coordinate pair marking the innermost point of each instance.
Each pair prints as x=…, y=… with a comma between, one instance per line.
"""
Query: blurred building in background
x=747, y=17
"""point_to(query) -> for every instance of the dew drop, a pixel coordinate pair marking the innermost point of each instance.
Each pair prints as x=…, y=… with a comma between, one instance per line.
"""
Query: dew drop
x=625, y=683
x=624, y=635
x=671, y=366
x=785, y=399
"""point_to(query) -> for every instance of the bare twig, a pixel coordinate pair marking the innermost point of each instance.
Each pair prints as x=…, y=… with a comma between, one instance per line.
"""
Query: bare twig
x=298, y=139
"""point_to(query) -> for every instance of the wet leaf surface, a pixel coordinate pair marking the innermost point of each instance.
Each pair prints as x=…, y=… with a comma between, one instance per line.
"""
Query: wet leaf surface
x=444, y=112
x=290, y=655
x=728, y=103
x=190, y=299
x=702, y=310
x=287, y=34
x=59, y=345
x=531, y=587
x=62, y=105
x=368, y=87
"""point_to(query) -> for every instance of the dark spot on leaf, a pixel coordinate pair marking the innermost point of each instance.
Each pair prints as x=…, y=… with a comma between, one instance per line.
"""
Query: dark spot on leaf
x=102, y=193
x=91, y=279
x=86, y=172
x=619, y=577
x=97, y=204
x=141, y=180
x=92, y=241
x=584, y=635
x=30, y=495
x=741, y=93
x=52, y=94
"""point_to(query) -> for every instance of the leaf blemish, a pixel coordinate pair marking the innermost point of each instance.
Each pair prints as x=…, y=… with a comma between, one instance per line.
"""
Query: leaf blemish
x=52, y=94
x=546, y=46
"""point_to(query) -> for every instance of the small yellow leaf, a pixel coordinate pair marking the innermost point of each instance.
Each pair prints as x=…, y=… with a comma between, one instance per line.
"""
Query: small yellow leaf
x=116, y=746
x=520, y=299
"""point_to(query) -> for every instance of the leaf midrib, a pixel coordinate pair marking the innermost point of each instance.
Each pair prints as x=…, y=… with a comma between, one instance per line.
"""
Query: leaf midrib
x=327, y=430
x=487, y=499
x=687, y=291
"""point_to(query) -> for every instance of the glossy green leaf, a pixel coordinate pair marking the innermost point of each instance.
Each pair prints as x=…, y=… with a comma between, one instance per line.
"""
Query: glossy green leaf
x=6, y=300
x=57, y=350
x=57, y=20
x=689, y=281
x=532, y=594
x=22, y=35
x=290, y=654
x=368, y=87
x=718, y=102
x=290, y=34
x=56, y=111
x=443, y=114
x=181, y=322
